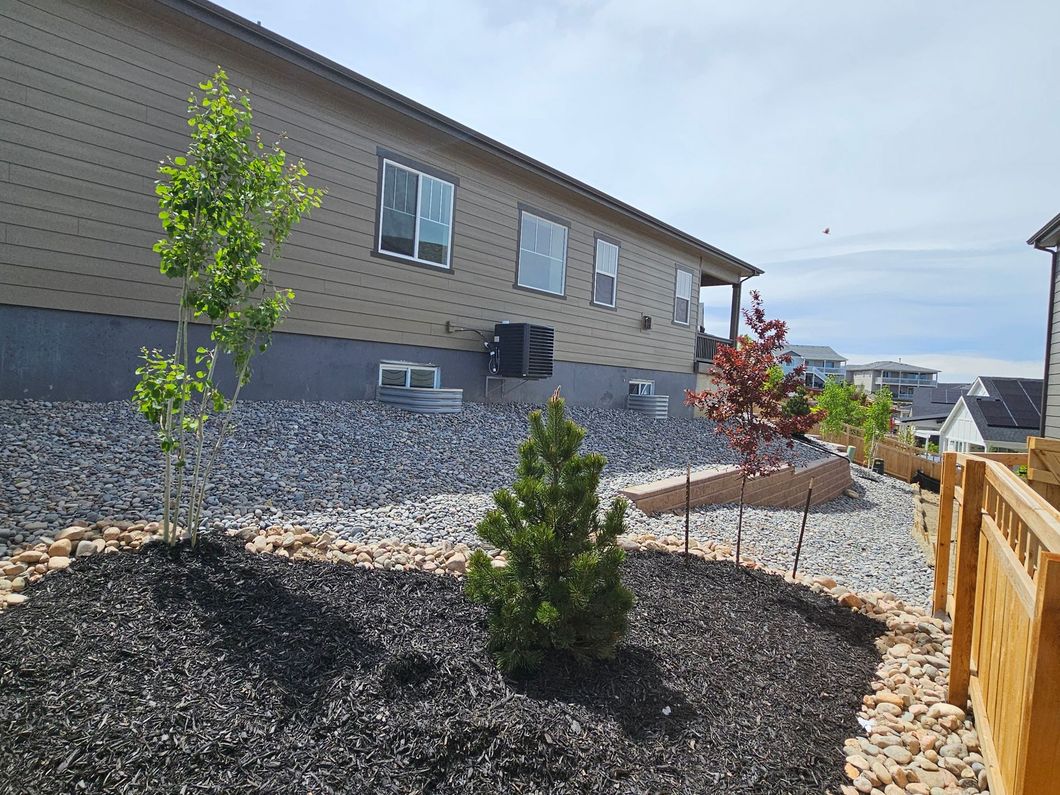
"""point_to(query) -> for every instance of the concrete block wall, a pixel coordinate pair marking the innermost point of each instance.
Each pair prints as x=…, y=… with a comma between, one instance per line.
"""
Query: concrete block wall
x=785, y=488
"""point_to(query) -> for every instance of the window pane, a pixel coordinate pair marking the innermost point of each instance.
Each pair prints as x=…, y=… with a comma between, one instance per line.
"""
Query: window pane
x=421, y=378
x=392, y=376
x=398, y=219
x=681, y=310
x=436, y=213
x=606, y=257
x=544, y=238
x=542, y=254
x=535, y=271
x=528, y=233
x=559, y=241
x=434, y=242
x=684, y=285
x=605, y=289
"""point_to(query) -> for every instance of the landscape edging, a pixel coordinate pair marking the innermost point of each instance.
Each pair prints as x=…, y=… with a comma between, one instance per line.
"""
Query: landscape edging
x=783, y=488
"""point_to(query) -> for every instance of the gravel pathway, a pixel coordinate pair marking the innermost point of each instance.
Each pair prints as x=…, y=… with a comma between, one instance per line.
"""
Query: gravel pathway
x=369, y=471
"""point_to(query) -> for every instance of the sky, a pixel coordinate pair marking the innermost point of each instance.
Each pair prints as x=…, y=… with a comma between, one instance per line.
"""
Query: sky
x=924, y=136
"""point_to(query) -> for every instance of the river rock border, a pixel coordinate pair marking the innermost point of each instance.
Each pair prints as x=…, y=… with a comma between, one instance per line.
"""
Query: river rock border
x=914, y=742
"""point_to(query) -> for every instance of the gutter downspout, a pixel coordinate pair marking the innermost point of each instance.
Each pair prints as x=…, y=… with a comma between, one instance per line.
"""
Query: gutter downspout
x=1048, y=331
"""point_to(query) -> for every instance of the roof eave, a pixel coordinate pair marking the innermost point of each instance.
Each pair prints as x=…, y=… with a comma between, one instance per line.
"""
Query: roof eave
x=1048, y=235
x=228, y=22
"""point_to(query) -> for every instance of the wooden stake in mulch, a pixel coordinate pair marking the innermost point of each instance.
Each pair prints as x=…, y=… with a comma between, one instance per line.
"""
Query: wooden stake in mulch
x=802, y=530
x=688, y=502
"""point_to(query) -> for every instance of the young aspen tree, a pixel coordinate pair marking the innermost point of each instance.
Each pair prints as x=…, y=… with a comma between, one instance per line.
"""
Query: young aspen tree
x=224, y=205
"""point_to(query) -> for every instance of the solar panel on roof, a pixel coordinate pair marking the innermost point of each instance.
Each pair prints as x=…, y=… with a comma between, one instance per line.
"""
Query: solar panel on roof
x=1028, y=417
x=995, y=413
x=1010, y=390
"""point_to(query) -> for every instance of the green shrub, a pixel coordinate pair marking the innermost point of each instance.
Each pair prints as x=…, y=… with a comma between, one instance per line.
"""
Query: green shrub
x=798, y=403
x=561, y=590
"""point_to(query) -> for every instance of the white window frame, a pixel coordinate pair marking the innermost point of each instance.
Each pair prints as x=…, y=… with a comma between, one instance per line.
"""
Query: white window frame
x=679, y=271
x=448, y=264
x=614, y=276
x=408, y=367
x=644, y=387
x=519, y=254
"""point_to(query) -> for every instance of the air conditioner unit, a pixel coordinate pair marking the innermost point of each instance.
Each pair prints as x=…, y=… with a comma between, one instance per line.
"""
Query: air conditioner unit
x=524, y=350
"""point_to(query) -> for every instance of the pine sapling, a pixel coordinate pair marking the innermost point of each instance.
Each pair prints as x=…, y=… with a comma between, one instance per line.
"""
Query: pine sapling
x=561, y=590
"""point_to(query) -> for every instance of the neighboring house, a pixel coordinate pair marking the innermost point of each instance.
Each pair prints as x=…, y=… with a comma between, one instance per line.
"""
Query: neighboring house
x=431, y=233
x=930, y=407
x=1048, y=239
x=821, y=363
x=899, y=377
x=996, y=415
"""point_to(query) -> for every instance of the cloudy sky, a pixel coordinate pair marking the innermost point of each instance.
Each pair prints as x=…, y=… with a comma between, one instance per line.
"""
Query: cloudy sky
x=925, y=136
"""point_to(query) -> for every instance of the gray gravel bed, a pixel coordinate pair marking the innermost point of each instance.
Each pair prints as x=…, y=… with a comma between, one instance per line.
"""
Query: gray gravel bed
x=369, y=471
x=864, y=542
x=361, y=469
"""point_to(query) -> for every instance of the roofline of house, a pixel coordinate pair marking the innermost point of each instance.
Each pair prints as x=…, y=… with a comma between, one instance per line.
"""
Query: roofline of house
x=226, y=21
x=870, y=366
x=1050, y=232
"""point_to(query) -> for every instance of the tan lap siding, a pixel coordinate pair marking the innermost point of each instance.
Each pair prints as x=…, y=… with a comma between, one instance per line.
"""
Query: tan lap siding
x=1052, y=383
x=94, y=95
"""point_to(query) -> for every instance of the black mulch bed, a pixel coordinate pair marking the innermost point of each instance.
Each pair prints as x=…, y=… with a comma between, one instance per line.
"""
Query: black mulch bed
x=219, y=672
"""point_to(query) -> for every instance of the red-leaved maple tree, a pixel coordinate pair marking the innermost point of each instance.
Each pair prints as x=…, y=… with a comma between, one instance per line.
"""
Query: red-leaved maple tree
x=749, y=397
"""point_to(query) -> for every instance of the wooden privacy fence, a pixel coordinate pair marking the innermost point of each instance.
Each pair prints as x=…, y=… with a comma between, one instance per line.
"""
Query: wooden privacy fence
x=1005, y=605
x=900, y=460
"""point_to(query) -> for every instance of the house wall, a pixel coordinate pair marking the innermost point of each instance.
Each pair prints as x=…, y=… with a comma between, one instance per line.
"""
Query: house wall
x=37, y=346
x=959, y=432
x=862, y=379
x=93, y=94
x=1051, y=404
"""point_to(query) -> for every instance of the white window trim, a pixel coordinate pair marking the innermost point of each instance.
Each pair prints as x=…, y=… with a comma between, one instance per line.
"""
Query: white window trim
x=408, y=367
x=416, y=234
x=691, y=289
x=519, y=254
x=641, y=382
x=596, y=270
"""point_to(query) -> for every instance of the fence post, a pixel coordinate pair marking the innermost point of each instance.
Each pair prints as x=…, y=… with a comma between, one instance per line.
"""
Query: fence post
x=968, y=524
x=1043, y=466
x=1039, y=742
x=944, y=532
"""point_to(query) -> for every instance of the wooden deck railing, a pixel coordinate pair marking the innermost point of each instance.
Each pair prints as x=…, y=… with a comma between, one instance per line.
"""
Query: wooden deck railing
x=1005, y=605
x=707, y=346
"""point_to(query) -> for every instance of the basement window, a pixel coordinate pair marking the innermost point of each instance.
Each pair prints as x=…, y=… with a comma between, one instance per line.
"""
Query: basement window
x=416, y=376
x=639, y=387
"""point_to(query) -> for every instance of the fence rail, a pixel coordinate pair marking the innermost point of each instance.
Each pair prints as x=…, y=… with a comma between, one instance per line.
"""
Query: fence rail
x=1004, y=597
x=900, y=460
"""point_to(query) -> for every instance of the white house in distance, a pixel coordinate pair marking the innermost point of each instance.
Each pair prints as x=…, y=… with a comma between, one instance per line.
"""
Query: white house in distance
x=899, y=377
x=821, y=362
x=930, y=408
x=997, y=415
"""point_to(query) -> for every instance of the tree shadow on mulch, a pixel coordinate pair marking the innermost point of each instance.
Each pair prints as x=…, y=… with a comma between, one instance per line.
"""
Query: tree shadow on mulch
x=630, y=689
x=263, y=626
